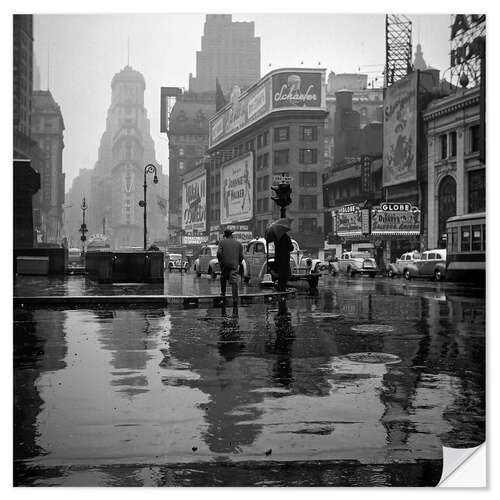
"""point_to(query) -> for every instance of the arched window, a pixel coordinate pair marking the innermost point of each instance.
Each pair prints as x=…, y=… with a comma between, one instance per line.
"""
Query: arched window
x=447, y=206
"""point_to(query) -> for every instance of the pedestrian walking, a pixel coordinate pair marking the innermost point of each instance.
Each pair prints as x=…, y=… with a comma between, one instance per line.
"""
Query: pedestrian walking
x=283, y=247
x=230, y=257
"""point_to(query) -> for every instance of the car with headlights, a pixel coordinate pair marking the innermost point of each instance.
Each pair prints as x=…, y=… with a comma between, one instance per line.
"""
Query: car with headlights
x=353, y=263
x=398, y=268
x=432, y=264
x=207, y=262
x=176, y=262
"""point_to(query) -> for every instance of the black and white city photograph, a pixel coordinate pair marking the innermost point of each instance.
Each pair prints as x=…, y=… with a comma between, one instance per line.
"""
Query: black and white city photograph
x=248, y=249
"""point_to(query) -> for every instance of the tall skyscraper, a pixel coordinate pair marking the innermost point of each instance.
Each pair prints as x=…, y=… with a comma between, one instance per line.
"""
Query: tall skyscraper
x=117, y=184
x=47, y=126
x=230, y=51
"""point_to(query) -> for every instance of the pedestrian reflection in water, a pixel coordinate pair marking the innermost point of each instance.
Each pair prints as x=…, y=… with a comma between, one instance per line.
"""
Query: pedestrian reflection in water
x=282, y=369
x=229, y=343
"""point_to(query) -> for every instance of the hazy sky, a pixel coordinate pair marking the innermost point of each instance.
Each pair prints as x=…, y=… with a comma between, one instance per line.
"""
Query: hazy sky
x=87, y=50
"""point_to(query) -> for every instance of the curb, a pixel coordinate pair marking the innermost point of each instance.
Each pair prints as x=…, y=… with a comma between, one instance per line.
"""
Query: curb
x=191, y=301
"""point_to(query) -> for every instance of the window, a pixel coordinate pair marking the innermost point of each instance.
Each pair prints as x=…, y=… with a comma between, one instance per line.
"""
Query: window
x=307, y=202
x=443, y=139
x=307, y=225
x=281, y=134
x=259, y=248
x=265, y=160
x=477, y=190
x=474, y=139
x=454, y=240
x=281, y=157
x=250, y=145
x=265, y=138
x=308, y=179
x=465, y=245
x=265, y=182
x=309, y=133
x=476, y=238
x=453, y=144
x=308, y=156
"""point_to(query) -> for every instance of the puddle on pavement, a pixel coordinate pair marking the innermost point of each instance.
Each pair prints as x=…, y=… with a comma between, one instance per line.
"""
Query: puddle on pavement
x=143, y=387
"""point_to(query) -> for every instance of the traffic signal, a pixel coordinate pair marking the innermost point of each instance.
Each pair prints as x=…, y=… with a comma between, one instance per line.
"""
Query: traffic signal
x=283, y=192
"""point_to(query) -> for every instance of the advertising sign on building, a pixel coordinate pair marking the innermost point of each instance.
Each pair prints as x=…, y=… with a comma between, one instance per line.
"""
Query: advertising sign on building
x=296, y=89
x=280, y=89
x=400, y=131
x=395, y=219
x=349, y=221
x=194, y=202
x=237, y=190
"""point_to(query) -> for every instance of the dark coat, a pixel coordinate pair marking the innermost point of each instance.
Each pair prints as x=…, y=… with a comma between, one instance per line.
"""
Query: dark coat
x=230, y=253
x=282, y=249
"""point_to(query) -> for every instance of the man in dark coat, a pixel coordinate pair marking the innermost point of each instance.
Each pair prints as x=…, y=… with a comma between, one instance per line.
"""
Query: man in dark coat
x=282, y=249
x=230, y=257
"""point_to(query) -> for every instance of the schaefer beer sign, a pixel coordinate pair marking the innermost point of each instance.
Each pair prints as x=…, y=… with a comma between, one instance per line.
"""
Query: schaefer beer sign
x=194, y=202
x=297, y=89
x=236, y=204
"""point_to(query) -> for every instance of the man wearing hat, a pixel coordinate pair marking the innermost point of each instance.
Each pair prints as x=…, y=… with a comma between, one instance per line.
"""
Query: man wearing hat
x=230, y=256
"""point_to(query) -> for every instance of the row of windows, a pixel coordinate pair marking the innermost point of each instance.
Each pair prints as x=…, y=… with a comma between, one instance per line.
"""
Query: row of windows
x=306, y=156
x=468, y=238
x=448, y=143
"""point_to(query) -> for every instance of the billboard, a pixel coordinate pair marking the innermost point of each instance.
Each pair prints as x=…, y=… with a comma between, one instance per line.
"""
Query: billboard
x=396, y=219
x=242, y=112
x=280, y=89
x=236, y=202
x=400, y=131
x=194, y=203
x=348, y=220
x=296, y=89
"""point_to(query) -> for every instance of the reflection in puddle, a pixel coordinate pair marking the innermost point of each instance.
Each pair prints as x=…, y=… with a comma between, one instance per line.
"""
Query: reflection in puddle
x=99, y=388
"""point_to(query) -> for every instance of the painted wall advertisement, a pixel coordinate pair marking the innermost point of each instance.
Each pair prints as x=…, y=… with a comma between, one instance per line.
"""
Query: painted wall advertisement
x=294, y=89
x=237, y=190
x=400, y=131
x=283, y=89
x=194, y=202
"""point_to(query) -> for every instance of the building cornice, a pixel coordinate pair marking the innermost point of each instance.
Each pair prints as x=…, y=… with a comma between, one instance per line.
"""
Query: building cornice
x=450, y=105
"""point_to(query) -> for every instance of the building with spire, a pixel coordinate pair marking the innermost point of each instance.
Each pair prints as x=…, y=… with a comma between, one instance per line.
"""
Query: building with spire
x=117, y=182
x=419, y=62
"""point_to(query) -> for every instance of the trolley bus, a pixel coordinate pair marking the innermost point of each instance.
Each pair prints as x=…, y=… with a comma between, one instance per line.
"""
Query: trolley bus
x=466, y=248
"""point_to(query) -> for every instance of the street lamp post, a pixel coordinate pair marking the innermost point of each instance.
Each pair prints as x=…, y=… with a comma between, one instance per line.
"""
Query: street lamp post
x=148, y=169
x=83, y=227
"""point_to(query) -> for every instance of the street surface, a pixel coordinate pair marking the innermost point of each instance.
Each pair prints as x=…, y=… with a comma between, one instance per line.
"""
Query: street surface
x=360, y=384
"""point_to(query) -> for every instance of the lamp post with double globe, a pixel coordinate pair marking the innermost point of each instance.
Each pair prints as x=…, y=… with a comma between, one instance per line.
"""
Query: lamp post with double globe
x=148, y=169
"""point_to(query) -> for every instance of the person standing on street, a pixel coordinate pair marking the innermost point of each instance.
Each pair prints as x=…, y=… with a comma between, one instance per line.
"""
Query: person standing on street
x=230, y=257
x=283, y=248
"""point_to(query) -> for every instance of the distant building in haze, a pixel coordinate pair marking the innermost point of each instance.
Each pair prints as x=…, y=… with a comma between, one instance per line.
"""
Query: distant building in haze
x=47, y=126
x=117, y=183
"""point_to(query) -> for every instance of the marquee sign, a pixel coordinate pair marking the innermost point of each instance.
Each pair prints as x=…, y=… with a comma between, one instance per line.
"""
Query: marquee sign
x=388, y=219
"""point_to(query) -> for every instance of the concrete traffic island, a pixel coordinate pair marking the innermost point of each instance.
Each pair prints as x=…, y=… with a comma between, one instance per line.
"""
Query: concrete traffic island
x=82, y=301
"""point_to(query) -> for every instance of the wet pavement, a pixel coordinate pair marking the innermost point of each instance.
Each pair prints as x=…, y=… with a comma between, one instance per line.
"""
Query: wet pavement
x=361, y=384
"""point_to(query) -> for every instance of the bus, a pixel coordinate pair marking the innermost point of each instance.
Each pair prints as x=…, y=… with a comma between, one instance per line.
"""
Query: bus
x=466, y=248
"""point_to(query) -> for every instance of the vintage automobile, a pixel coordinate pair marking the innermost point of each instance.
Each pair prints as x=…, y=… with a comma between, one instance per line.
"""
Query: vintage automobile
x=207, y=262
x=254, y=265
x=399, y=267
x=175, y=262
x=75, y=258
x=353, y=263
x=432, y=264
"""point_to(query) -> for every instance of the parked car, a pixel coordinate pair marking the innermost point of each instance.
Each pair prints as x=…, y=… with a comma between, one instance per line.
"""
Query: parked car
x=353, y=263
x=399, y=267
x=207, y=262
x=175, y=262
x=75, y=257
x=432, y=264
x=254, y=260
